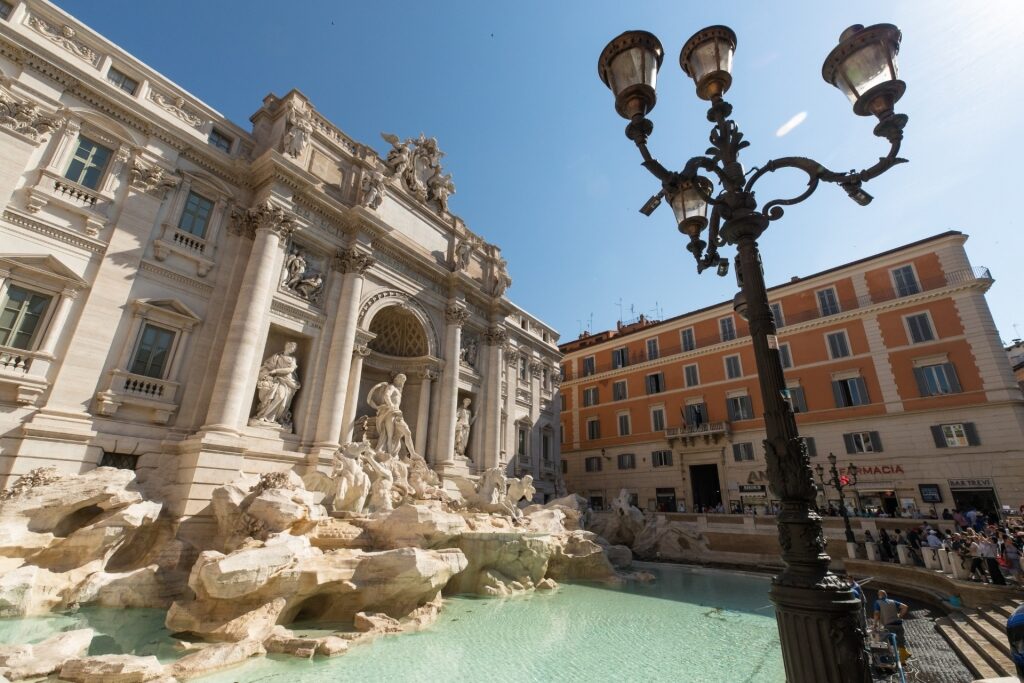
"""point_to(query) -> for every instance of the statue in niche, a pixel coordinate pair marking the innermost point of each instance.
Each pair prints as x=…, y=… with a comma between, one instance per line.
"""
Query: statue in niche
x=519, y=489
x=468, y=352
x=300, y=278
x=300, y=128
x=276, y=387
x=294, y=268
x=372, y=185
x=310, y=286
x=500, y=279
x=463, y=253
x=464, y=420
x=392, y=429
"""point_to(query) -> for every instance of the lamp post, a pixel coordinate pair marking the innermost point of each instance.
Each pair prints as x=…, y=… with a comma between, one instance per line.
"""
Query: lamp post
x=817, y=613
x=839, y=482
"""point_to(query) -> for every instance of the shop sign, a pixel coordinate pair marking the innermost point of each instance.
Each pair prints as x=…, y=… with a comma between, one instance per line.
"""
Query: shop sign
x=752, y=488
x=930, y=493
x=970, y=483
x=875, y=469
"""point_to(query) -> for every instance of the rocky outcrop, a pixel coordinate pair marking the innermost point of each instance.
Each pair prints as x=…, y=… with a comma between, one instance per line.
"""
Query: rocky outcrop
x=214, y=658
x=18, y=662
x=79, y=539
x=111, y=669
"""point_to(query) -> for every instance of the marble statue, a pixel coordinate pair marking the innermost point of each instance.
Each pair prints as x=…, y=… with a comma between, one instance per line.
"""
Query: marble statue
x=310, y=286
x=500, y=279
x=351, y=485
x=300, y=128
x=492, y=486
x=382, y=482
x=469, y=350
x=294, y=268
x=276, y=387
x=399, y=157
x=519, y=489
x=392, y=429
x=464, y=420
x=440, y=186
x=372, y=185
x=463, y=252
x=418, y=164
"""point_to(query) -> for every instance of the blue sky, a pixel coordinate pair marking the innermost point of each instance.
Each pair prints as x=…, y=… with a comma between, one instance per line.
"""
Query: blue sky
x=542, y=168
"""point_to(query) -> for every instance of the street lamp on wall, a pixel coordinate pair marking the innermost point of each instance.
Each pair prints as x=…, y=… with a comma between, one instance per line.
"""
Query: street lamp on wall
x=714, y=205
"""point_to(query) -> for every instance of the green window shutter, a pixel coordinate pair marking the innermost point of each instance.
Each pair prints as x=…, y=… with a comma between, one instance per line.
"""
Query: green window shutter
x=954, y=381
x=940, y=438
x=876, y=441
x=848, y=440
x=812, y=447
x=972, y=434
x=922, y=382
x=837, y=392
x=862, y=391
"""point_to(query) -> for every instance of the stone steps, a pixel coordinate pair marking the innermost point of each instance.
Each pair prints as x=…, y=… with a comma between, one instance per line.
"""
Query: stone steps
x=993, y=627
x=967, y=653
x=982, y=645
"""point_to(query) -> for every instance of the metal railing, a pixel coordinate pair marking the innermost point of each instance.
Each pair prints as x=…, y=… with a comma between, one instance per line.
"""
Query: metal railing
x=703, y=429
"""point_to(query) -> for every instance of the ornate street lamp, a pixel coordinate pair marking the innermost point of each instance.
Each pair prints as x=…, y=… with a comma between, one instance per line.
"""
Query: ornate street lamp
x=839, y=482
x=817, y=613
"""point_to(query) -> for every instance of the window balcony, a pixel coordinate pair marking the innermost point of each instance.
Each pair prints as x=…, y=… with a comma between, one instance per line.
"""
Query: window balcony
x=24, y=373
x=184, y=244
x=705, y=433
x=92, y=206
x=157, y=398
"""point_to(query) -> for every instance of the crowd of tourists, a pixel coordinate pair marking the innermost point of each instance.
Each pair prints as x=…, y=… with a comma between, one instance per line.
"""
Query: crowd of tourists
x=986, y=547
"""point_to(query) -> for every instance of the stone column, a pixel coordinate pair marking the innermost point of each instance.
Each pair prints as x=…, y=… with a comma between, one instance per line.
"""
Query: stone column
x=456, y=315
x=536, y=459
x=427, y=376
x=355, y=376
x=354, y=264
x=511, y=354
x=57, y=323
x=490, y=408
x=233, y=389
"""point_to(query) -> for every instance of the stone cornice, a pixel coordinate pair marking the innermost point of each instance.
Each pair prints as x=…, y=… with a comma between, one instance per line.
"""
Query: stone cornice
x=60, y=234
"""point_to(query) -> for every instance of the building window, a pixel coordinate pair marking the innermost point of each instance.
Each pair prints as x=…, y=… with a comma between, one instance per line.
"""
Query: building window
x=850, y=392
x=590, y=397
x=545, y=447
x=624, y=424
x=739, y=408
x=733, y=369
x=863, y=442
x=593, y=429
x=546, y=379
x=522, y=438
x=565, y=467
x=588, y=366
x=122, y=81
x=195, y=218
x=652, y=349
x=120, y=461
x=742, y=451
x=522, y=368
x=727, y=329
x=562, y=406
x=152, y=351
x=691, y=375
x=777, y=314
x=620, y=358
x=655, y=383
x=88, y=163
x=838, y=346
x=905, y=281
x=593, y=463
x=828, y=304
x=696, y=414
x=811, y=446
x=658, y=420
x=627, y=461
x=22, y=316
x=920, y=328
x=785, y=357
x=661, y=458
x=561, y=435
x=955, y=435
x=220, y=141
x=936, y=380
x=5, y=9
x=619, y=390
x=797, y=399
x=688, y=341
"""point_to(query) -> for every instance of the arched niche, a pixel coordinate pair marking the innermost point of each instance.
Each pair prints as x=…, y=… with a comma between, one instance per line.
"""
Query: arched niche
x=405, y=310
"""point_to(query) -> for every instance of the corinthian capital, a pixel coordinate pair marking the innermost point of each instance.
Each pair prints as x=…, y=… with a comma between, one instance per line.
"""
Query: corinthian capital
x=264, y=216
x=495, y=336
x=352, y=261
x=456, y=314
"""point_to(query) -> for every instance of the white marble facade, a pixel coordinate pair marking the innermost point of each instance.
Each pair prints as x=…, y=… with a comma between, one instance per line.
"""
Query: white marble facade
x=197, y=300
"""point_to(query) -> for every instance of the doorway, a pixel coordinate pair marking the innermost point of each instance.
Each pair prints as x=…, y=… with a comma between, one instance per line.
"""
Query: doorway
x=707, y=491
x=666, y=499
x=982, y=499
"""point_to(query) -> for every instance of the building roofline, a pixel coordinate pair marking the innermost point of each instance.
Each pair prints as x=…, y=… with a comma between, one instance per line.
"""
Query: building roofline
x=793, y=281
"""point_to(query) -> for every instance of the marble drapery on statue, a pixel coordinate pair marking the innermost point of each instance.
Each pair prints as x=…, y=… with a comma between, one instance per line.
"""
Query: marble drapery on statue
x=276, y=386
x=392, y=429
x=464, y=420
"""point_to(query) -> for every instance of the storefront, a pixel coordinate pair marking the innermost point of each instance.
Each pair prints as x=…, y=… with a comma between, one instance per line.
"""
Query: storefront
x=754, y=496
x=979, y=494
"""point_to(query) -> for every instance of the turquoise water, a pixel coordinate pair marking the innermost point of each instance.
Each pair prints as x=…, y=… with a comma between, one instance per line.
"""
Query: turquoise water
x=689, y=625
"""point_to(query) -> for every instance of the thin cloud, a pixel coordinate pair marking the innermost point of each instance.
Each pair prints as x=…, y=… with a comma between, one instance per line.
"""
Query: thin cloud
x=788, y=126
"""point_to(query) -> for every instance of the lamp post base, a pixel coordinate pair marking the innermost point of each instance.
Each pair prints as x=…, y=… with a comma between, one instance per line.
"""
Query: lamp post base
x=821, y=632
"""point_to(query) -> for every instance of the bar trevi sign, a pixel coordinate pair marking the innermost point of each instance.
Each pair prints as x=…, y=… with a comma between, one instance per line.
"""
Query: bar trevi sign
x=970, y=483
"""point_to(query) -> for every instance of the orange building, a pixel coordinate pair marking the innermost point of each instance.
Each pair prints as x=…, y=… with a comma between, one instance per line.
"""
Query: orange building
x=893, y=363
